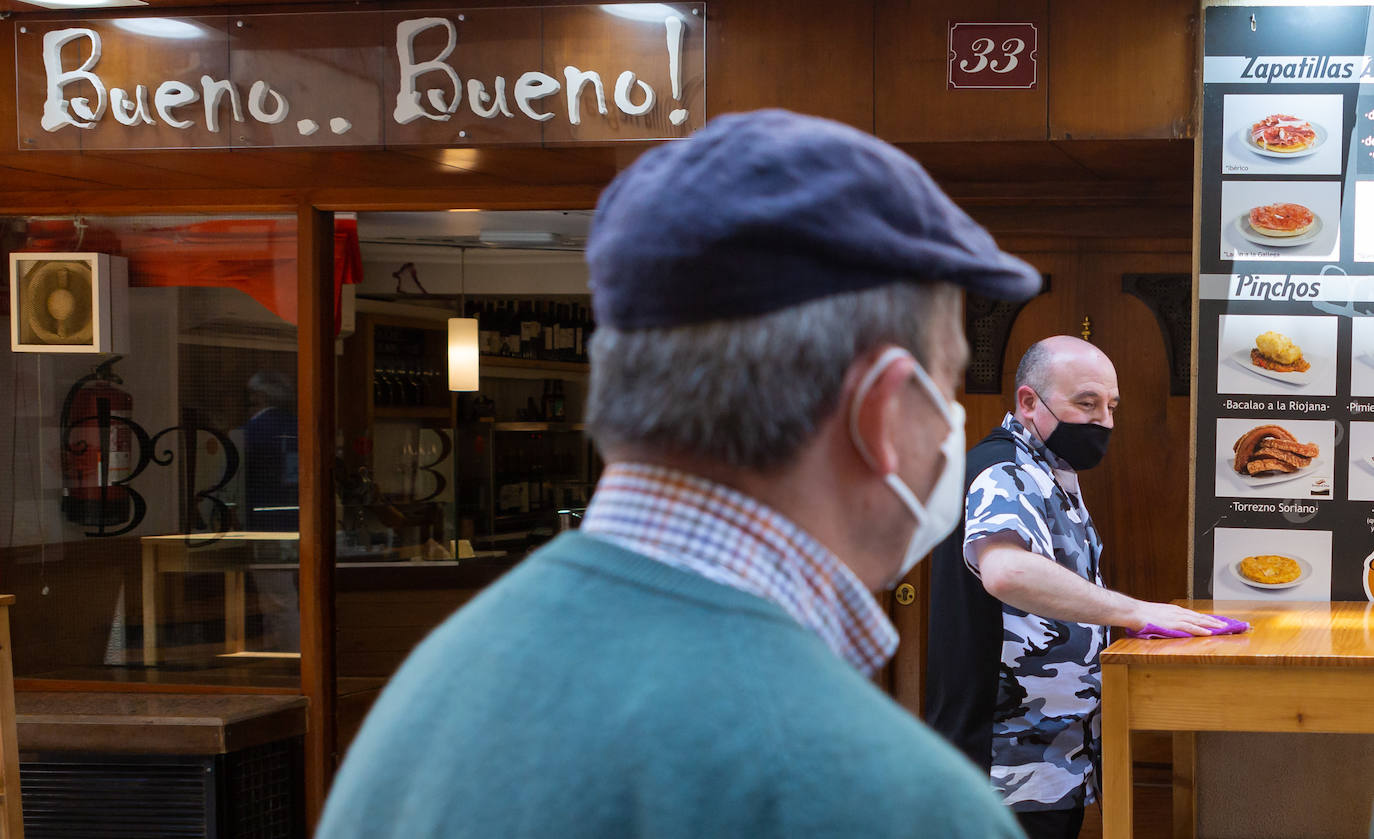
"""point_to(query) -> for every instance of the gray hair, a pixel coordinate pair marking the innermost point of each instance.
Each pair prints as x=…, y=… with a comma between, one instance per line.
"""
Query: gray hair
x=749, y=393
x=1036, y=368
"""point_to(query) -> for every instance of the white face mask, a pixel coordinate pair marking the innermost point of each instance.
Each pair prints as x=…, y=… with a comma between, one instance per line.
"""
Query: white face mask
x=942, y=511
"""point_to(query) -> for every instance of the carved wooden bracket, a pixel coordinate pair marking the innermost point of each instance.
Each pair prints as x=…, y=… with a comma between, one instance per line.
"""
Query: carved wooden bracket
x=988, y=323
x=1170, y=298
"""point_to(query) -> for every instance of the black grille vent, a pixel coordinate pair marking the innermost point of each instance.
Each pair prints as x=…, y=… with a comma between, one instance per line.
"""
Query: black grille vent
x=109, y=797
x=262, y=795
x=254, y=793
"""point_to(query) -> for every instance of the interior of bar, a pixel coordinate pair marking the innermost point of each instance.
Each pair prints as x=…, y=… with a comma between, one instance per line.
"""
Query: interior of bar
x=332, y=324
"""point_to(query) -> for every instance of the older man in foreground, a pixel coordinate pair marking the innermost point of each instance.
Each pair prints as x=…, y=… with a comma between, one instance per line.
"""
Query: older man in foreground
x=779, y=337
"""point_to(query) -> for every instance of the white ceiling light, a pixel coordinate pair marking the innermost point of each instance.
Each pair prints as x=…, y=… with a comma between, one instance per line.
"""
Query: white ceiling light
x=159, y=27
x=650, y=12
x=84, y=4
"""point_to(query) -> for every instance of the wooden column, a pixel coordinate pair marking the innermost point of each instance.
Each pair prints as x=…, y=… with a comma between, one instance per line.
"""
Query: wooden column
x=315, y=436
x=11, y=813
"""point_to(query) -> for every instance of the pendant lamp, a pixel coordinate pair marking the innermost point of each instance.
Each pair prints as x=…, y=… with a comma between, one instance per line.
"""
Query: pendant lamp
x=462, y=340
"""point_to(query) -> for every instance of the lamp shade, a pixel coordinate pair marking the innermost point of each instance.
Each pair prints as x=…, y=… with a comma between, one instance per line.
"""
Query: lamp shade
x=462, y=353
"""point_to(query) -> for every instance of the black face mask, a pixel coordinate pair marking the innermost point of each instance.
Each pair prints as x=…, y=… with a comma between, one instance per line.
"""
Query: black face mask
x=1081, y=444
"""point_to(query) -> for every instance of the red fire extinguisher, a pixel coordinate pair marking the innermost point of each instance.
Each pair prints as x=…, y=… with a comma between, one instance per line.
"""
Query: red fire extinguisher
x=97, y=449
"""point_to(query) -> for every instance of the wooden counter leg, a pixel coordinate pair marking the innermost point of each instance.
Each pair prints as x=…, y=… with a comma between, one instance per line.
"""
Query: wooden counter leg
x=10, y=798
x=1116, y=752
x=149, y=605
x=1185, y=785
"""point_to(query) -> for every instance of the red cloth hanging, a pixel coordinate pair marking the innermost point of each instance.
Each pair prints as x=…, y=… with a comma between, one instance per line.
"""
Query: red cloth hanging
x=255, y=256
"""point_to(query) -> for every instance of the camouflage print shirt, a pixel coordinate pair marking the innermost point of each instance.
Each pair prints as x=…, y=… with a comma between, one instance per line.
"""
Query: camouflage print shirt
x=1046, y=733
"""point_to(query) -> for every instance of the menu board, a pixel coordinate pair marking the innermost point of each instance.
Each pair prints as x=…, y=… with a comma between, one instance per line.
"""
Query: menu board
x=1285, y=337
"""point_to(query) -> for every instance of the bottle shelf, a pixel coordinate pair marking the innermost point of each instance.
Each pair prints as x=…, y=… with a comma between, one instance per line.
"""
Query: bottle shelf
x=521, y=425
x=411, y=412
x=529, y=368
x=507, y=518
x=538, y=426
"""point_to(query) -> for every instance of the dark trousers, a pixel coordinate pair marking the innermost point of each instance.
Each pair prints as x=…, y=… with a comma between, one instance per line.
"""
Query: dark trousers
x=1052, y=824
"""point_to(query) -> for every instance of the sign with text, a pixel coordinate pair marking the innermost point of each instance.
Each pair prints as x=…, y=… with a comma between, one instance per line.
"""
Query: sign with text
x=1284, y=481
x=469, y=77
x=993, y=56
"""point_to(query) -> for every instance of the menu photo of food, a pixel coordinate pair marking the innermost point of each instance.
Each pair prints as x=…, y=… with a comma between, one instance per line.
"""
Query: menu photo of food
x=1260, y=564
x=1362, y=356
x=1277, y=354
x=1287, y=459
x=1276, y=221
x=1361, y=461
x=1282, y=134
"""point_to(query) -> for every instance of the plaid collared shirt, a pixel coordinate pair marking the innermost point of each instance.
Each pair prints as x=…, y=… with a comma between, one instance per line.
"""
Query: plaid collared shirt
x=727, y=537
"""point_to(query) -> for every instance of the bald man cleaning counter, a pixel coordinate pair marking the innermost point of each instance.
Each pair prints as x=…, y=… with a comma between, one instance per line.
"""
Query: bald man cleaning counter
x=1017, y=599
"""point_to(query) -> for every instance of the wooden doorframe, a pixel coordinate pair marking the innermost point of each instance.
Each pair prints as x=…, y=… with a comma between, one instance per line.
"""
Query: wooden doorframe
x=315, y=450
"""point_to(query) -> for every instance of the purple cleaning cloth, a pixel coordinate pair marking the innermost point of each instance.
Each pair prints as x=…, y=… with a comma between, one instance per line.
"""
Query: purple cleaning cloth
x=1232, y=626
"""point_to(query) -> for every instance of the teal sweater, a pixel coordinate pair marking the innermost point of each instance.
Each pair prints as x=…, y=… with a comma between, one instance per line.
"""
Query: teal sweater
x=593, y=692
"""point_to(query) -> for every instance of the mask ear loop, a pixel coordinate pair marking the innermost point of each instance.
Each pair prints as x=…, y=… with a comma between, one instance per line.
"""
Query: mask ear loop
x=888, y=357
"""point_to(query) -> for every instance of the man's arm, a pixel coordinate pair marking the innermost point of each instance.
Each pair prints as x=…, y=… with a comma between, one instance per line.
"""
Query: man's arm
x=1035, y=584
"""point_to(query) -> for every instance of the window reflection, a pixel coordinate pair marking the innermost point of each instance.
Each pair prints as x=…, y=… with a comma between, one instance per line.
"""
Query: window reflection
x=151, y=494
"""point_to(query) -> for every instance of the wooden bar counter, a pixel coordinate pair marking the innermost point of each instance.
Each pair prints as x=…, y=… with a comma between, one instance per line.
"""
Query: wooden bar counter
x=155, y=723
x=1303, y=667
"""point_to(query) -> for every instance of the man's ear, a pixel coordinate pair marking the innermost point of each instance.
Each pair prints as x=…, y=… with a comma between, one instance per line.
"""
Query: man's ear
x=877, y=410
x=1026, y=399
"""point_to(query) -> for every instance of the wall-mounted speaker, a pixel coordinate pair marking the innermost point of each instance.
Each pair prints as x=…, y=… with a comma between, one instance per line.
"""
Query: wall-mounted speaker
x=69, y=302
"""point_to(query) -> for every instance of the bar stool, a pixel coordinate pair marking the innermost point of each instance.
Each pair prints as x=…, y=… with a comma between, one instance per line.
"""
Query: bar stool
x=11, y=813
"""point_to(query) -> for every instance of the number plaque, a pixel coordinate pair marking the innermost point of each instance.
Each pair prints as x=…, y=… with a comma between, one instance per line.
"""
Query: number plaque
x=993, y=56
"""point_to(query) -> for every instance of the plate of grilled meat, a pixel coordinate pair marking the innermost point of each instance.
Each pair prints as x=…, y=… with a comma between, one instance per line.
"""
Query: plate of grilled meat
x=1270, y=454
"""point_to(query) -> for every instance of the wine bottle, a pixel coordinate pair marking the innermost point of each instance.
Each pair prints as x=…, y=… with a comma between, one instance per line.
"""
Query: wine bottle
x=560, y=332
x=511, y=332
x=579, y=335
x=558, y=408
x=531, y=333
x=486, y=336
x=546, y=401
x=547, y=331
x=499, y=325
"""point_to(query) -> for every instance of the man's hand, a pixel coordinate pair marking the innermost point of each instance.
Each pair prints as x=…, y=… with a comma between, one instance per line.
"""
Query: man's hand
x=1168, y=616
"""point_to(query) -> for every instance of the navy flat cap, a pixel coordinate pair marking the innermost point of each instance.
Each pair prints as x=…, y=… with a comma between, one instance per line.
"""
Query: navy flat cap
x=764, y=210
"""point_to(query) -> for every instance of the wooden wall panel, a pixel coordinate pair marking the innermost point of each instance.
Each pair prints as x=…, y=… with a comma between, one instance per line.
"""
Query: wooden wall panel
x=1002, y=162
x=913, y=103
x=19, y=180
x=67, y=598
x=378, y=629
x=1122, y=70
x=9, y=130
x=813, y=56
